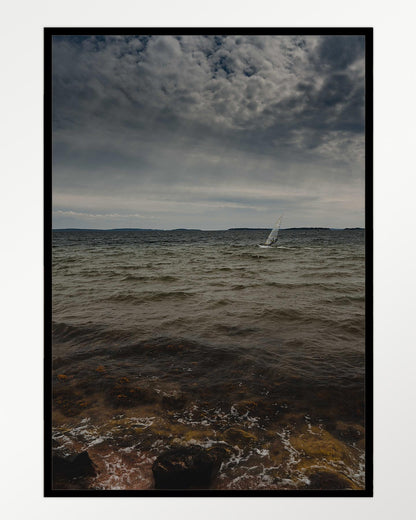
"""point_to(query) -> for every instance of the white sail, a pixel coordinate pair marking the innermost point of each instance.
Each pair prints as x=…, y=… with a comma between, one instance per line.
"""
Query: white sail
x=272, y=238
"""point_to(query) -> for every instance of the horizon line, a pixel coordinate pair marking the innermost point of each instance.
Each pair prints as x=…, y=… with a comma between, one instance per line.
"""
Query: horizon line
x=198, y=229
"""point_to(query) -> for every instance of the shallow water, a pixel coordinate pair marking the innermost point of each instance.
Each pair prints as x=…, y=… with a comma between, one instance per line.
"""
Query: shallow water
x=166, y=338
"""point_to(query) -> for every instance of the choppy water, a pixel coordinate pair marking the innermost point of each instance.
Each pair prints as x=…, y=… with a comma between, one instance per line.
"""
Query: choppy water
x=163, y=338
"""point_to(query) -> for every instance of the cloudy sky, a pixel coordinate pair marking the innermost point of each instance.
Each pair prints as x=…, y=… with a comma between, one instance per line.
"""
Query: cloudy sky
x=208, y=132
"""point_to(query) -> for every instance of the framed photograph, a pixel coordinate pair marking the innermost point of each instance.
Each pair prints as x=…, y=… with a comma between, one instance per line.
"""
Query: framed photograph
x=208, y=262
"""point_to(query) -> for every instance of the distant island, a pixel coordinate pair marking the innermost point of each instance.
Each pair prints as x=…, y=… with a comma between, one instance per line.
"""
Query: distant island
x=110, y=229
x=284, y=229
x=353, y=228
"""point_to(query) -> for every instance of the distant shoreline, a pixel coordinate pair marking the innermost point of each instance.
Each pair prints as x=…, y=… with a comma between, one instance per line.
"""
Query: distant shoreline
x=210, y=230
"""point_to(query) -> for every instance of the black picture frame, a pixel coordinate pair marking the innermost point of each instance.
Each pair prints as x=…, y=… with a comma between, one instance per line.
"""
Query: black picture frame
x=49, y=33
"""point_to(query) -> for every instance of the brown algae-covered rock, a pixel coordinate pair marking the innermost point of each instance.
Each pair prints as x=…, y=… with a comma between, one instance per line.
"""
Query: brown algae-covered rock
x=318, y=444
x=323, y=459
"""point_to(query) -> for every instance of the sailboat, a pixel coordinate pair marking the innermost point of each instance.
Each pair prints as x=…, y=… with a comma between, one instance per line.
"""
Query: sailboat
x=272, y=238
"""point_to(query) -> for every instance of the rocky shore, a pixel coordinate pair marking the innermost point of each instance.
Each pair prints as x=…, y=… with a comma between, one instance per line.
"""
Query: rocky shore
x=118, y=425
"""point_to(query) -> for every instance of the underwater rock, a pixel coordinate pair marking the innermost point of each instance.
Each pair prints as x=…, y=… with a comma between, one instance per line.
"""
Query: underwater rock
x=174, y=402
x=350, y=433
x=124, y=395
x=187, y=467
x=239, y=436
x=69, y=401
x=75, y=466
x=326, y=480
x=278, y=453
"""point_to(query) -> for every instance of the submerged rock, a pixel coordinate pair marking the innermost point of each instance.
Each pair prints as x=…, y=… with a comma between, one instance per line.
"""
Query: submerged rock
x=327, y=480
x=125, y=395
x=238, y=436
x=174, y=402
x=70, y=402
x=349, y=433
x=187, y=467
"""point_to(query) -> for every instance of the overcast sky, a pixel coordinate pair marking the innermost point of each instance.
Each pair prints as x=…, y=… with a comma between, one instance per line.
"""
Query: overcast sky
x=208, y=132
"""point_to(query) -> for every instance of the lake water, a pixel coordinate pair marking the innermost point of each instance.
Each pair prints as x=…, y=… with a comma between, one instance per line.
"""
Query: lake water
x=174, y=338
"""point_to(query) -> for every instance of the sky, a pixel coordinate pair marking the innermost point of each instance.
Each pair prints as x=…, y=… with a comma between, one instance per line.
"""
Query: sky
x=208, y=132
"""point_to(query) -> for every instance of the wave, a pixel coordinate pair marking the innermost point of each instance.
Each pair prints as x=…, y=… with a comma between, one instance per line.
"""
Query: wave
x=149, y=296
x=87, y=334
x=134, y=278
x=344, y=300
x=163, y=278
x=354, y=325
x=339, y=274
x=221, y=303
x=233, y=330
x=166, y=278
x=291, y=316
x=341, y=287
x=285, y=314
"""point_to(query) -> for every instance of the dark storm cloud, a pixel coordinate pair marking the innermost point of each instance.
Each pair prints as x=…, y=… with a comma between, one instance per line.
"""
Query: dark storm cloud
x=148, y=125
x=337, y=52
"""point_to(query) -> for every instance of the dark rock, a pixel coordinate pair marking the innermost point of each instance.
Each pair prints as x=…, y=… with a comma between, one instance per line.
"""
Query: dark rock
x=327, y=480
x=75, y=466
x=175, y=402
x=187, y=467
